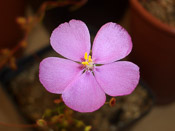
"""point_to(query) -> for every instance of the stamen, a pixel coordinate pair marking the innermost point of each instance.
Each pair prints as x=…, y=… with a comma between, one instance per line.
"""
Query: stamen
x=85, y=63
x=89, y=60
x=86, y=56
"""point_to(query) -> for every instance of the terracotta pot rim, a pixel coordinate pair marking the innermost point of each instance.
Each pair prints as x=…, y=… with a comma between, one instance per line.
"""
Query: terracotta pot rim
x=151, y=19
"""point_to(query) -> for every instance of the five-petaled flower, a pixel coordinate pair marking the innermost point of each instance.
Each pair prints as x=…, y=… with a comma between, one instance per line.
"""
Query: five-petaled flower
x=81, y=79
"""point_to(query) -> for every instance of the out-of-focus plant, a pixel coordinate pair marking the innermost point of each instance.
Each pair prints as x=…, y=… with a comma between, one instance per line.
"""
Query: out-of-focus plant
x=58, y=118
x=7, y=56
x=61, y=118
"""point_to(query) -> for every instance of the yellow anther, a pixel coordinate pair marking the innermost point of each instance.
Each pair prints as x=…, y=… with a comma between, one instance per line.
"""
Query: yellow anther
x=85, y=56
x=89, y=60
x=85, y=63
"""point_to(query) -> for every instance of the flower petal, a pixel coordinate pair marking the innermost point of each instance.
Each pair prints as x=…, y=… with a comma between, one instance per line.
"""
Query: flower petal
x=84, y=94
x=71, y=40
x=111, y=43
x=119, y=78
x=56, y=73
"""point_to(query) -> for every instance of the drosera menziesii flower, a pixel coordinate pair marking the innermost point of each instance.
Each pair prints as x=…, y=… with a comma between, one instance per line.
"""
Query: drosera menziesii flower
x=81, y=79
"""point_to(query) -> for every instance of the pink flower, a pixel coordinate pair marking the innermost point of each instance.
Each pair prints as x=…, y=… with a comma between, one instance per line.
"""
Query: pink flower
x=82, y=80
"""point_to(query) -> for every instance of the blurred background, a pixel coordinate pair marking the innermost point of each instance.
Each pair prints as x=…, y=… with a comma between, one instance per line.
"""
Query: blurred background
x=24, y=37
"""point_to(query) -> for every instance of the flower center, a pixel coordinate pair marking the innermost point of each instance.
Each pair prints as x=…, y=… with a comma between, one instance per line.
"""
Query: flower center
x=88, y=63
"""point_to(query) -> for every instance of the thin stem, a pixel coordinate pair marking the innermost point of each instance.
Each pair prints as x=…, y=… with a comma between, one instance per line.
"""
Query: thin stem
x=18, y=125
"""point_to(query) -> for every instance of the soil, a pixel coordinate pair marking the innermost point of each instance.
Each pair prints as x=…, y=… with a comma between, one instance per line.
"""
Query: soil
x=32, y=100
x=164, y=10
